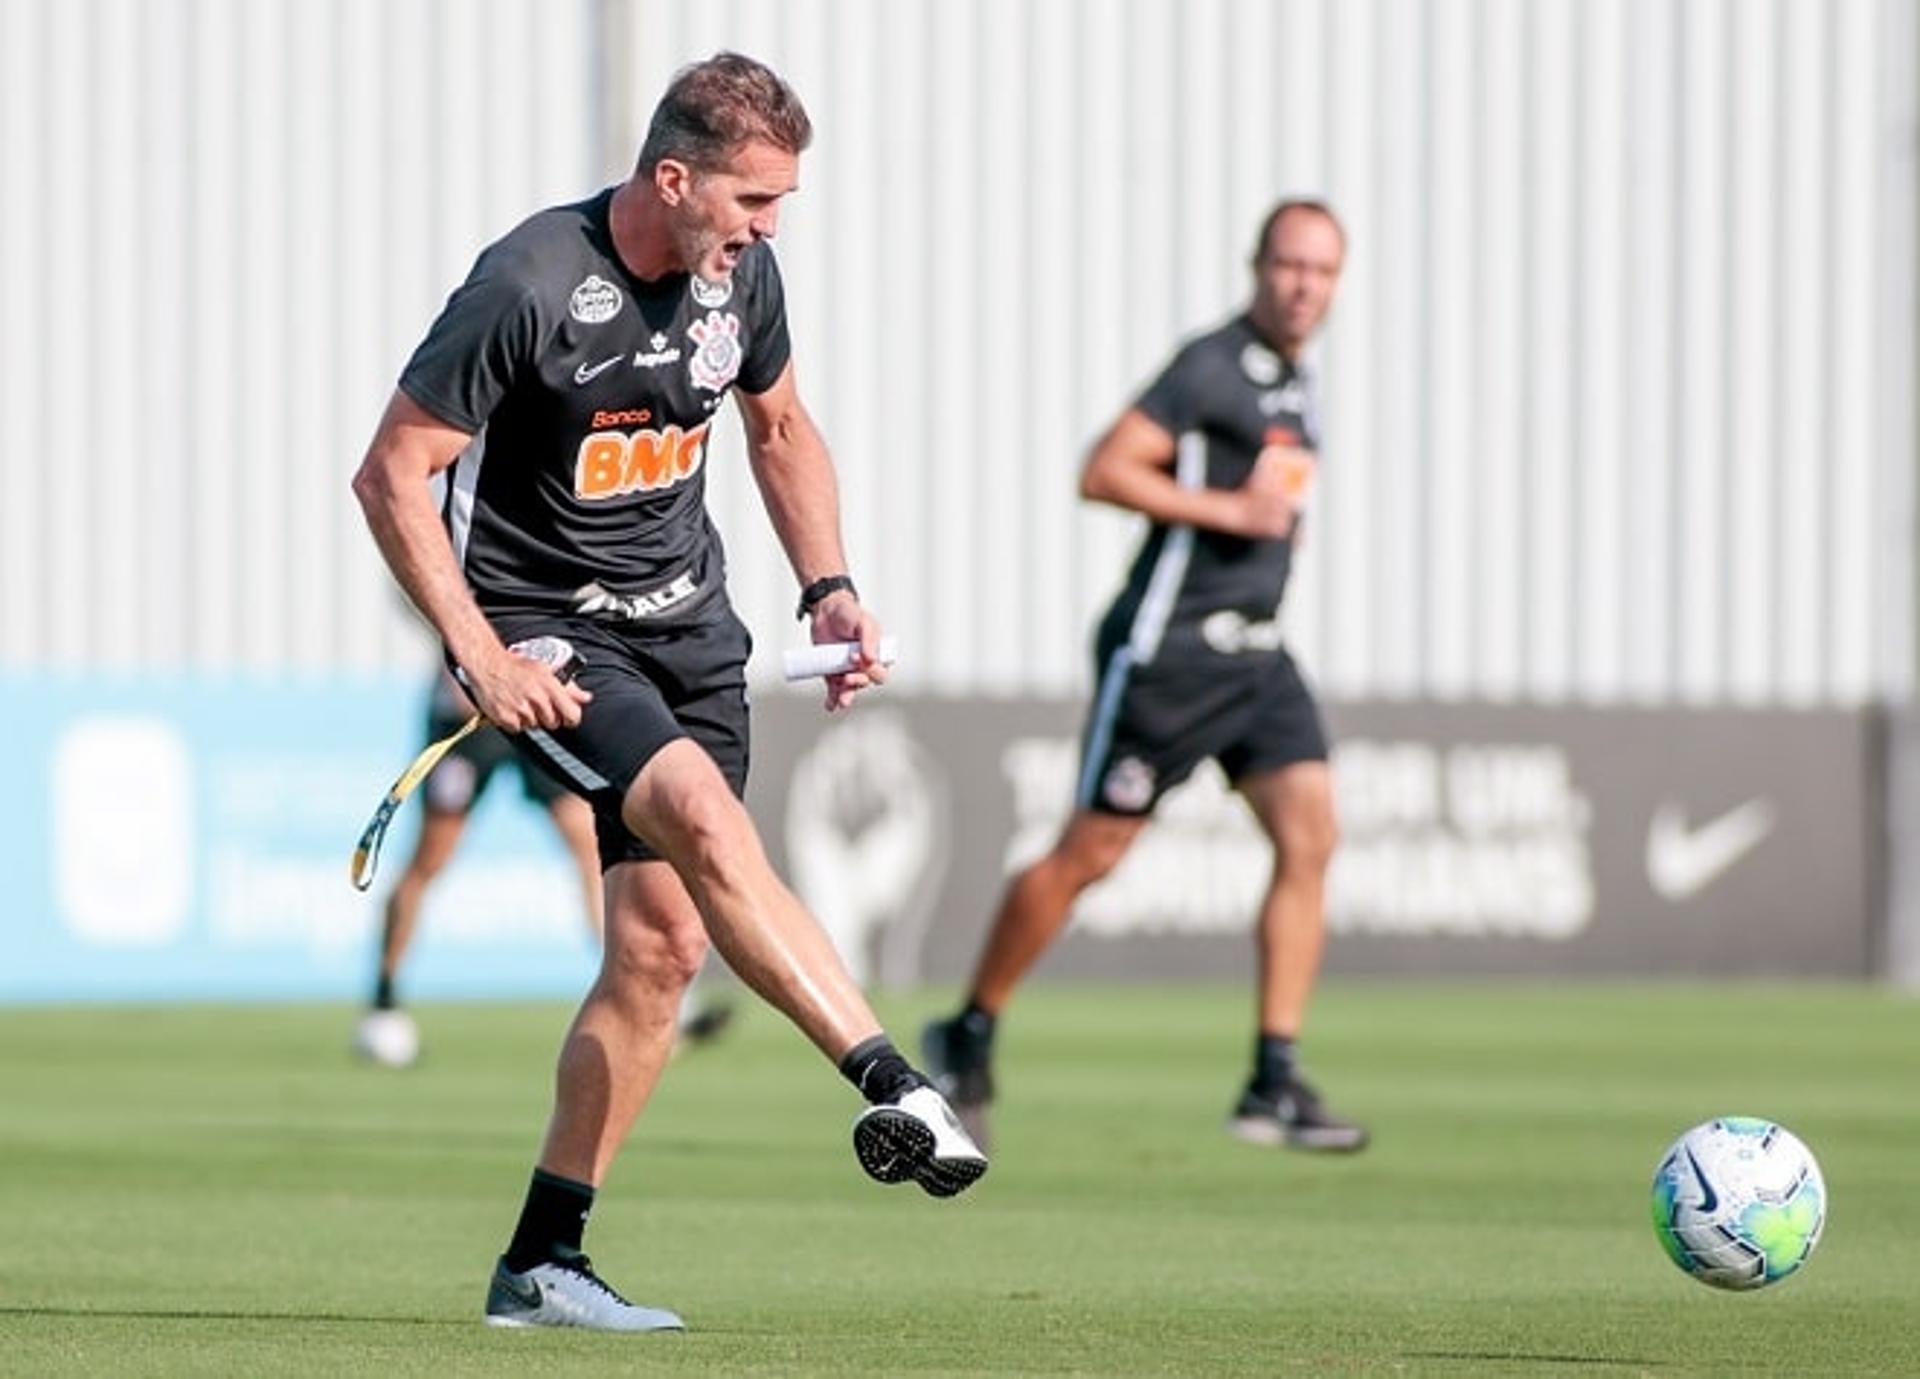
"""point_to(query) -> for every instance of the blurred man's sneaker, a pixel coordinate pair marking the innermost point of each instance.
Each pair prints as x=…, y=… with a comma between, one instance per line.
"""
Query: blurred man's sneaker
x=1295, y=1117
x=702, y=1025
x=919, y=1138
x=568, y=1294
x=387, y=1037
x=959, y=1060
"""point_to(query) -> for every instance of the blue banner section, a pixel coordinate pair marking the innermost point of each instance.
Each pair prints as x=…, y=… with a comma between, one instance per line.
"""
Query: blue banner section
x=188, y=838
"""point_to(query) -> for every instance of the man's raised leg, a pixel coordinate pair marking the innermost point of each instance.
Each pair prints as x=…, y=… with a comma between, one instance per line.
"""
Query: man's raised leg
x=682, y=806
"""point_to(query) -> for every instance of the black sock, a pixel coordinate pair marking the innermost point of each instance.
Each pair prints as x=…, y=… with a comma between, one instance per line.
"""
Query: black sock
x=1272, y=1063
x=383, y=993
x=969, y=1038
x=977, y=1022
x=552, y=1223
x=874, y=1066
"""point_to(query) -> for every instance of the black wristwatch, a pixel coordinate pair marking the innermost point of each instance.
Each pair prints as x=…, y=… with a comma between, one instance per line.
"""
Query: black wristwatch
x=811, y=596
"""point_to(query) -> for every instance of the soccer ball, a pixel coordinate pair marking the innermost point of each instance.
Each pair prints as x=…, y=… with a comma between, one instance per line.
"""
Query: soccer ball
x=387, y=1037
x=1739, y=1202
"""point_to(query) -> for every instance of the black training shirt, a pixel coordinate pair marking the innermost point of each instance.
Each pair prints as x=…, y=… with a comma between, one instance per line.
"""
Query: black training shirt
x=589, y=394
x=1225, y=397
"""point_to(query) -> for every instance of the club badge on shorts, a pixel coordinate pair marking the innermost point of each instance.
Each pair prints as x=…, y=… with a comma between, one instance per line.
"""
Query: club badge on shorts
x=1128, y=784
x=716, y=354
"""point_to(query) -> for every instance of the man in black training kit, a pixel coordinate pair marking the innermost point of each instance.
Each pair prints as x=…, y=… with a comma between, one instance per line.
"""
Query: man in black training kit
x=570, y=383
x=1219, y=454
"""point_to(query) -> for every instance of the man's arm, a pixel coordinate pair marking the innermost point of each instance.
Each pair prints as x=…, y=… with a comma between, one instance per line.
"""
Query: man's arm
x=1131, y=466
x=409, y=448
x=802, y=494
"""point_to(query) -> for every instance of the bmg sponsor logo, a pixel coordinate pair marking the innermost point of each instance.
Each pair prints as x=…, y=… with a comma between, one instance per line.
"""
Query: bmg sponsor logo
x=611, y=464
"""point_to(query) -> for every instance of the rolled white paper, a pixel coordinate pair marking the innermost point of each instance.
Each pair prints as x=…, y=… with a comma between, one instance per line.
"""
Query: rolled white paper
x=828, y=658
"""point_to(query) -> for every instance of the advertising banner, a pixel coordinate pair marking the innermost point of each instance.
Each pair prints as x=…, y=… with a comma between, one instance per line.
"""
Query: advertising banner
x=1475, y=840
x=189, y=838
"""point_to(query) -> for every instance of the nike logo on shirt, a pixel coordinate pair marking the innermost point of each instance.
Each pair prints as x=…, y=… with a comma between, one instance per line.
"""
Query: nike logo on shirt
x=586, y=373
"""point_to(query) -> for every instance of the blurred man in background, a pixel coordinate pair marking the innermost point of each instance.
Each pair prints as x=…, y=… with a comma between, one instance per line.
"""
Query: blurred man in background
x=1219, y=454
x=573, y=378
x=386, y=1033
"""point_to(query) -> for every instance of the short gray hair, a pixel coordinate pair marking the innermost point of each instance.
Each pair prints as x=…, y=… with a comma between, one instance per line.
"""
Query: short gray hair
x=711, y=108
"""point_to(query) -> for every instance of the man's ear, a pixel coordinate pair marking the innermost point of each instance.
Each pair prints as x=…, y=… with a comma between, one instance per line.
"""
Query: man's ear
x=672, y=180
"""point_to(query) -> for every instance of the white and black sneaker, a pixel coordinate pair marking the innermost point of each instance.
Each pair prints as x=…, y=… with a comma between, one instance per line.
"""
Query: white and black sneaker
x=702, y=1025
x=918, y=1138
x=568, y=1293
x=386, y=1035
x=1296, y=1118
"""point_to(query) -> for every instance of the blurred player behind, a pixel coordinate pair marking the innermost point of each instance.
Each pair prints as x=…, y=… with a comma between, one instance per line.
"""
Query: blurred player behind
x=1219, y=455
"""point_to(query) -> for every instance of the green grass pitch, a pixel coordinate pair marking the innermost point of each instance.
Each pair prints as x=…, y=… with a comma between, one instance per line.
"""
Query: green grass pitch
x=222, y=1191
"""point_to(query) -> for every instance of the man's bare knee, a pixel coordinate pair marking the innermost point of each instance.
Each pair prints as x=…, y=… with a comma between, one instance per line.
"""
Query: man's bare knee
x=1304, y=845
x=652, y=949
x=668, y=962
x=683, y=805
x=705, y=832
x=1093, y=846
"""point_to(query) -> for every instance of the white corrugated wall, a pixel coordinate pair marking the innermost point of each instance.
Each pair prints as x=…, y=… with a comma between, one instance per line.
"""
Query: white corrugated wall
x=1620, y=387
x=226, y=222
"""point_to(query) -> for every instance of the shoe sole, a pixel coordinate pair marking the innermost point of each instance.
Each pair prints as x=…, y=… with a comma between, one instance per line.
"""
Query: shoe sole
x=521, y=1324
x=1269, y=1134
x=894, y=1147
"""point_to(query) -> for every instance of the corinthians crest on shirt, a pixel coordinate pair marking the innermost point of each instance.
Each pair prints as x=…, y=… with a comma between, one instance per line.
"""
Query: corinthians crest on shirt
x=716, y=351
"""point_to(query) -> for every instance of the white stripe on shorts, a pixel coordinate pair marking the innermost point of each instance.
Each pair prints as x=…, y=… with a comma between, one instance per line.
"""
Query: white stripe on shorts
x=583, y=776
x=1113, y=683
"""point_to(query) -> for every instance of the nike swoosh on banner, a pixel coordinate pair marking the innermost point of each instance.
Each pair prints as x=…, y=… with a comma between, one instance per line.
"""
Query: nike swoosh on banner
x=1682, y=862
x=586, y=373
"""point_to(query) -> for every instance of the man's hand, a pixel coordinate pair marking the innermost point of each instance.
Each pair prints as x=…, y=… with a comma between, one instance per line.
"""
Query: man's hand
x=515, y=693
x=1274, y=492
x=840, y=618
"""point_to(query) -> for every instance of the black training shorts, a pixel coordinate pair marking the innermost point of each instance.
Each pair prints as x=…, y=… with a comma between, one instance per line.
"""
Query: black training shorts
x=650, y=686
x=1152, y=724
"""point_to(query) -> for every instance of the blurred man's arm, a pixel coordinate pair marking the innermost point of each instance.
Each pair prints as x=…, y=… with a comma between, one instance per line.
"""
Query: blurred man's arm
x=392, y=484
x=1131, y=467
